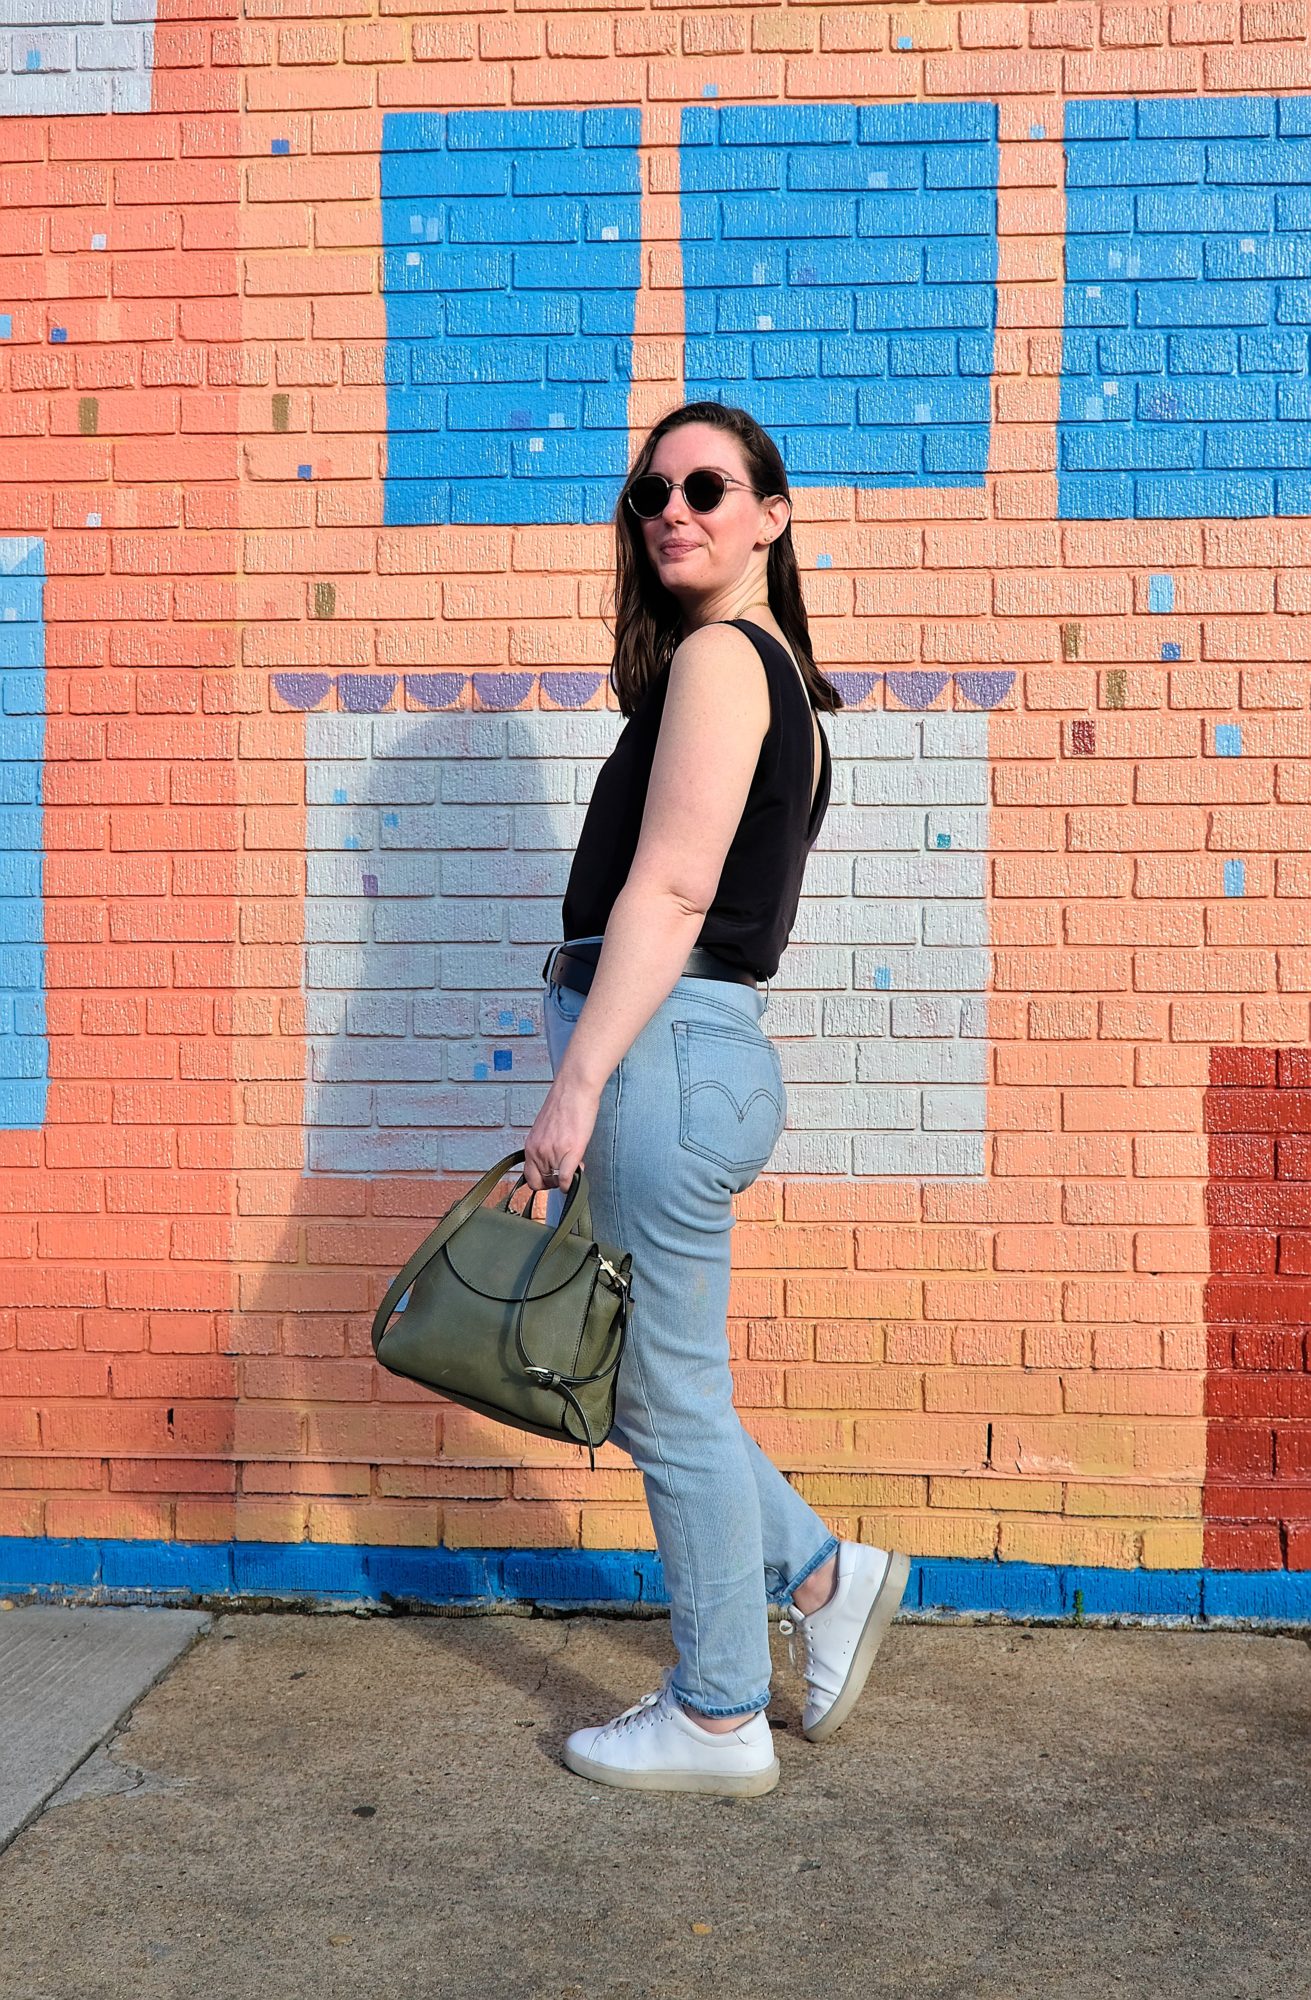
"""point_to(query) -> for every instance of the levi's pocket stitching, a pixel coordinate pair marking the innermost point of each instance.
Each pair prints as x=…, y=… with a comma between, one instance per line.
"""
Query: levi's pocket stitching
x=737, y=1128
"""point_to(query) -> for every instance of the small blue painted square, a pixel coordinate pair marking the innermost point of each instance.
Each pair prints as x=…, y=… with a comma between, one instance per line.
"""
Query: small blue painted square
x=824, y=561
x=279, y=145
x=481, y=1072
x=34, y=59
x=526, y=1024
x=302, y=472
x=1228, y=739
x=905, y=42
x=59, y=333
x=505, y=1018
x=6, y=326
x=502, y=1059
x=1160, y=594
x=339, y=797
x=943, y=840
x=391, y=819
x=1235, y=878
x=882, y=975
x=710, y=90
x=352, y=841
x=1037, y=131
x=1170, y=650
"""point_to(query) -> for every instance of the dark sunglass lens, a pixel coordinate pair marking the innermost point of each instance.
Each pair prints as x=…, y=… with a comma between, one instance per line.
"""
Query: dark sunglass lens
x=704, y=490
x=649, y=495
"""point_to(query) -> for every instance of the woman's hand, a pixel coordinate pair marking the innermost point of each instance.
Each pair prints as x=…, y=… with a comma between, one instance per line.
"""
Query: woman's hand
x=561, y=1131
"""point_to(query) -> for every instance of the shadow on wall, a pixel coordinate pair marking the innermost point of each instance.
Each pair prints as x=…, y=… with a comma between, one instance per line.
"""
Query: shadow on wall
x=439, y=849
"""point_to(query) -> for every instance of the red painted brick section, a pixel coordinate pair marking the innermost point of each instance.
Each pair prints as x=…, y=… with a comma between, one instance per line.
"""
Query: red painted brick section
x=1257, y=1496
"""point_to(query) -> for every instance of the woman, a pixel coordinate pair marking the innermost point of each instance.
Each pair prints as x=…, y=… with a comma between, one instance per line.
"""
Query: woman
x=683, y=890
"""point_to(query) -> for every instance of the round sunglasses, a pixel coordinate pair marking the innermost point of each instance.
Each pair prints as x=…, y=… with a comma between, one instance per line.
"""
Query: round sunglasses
x=703, y=490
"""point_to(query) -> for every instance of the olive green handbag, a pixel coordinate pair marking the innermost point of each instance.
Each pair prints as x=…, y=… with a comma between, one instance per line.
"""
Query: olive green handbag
x=490, y=1283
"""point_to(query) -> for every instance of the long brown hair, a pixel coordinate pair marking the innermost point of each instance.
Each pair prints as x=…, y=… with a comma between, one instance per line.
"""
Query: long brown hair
x=648, y=618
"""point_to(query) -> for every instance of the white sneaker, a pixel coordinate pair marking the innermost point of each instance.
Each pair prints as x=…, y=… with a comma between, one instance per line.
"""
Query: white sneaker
x=839, y=1640
x=655, y=1746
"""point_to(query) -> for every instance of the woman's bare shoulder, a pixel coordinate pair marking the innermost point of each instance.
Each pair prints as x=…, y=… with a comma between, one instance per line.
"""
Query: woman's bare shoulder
x=718, y=667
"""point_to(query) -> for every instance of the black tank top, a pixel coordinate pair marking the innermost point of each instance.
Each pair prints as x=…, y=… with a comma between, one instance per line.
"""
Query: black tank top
x=755, y=905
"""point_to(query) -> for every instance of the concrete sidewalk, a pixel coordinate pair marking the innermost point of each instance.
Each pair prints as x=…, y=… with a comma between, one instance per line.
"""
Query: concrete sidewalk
x=327, y=1805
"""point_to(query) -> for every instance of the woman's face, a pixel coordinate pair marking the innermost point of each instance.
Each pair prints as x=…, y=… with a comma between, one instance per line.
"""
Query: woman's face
x=696, y=556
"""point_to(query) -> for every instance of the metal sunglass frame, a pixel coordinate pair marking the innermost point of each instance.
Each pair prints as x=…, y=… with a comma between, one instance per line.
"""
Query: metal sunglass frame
x=679, y=486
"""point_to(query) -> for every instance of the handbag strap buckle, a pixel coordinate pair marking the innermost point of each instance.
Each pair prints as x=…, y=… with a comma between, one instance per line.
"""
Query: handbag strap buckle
x=617, y=1278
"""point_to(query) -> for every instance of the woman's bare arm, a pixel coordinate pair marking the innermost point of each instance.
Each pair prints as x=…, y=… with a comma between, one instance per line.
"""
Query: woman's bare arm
x=716, y=717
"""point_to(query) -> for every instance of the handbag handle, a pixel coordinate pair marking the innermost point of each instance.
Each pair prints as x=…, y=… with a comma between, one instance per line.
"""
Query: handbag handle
x=457, y=1216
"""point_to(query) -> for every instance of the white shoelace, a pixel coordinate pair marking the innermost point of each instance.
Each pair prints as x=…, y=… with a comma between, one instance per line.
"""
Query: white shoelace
x=794, y=1625
x=641, y=1711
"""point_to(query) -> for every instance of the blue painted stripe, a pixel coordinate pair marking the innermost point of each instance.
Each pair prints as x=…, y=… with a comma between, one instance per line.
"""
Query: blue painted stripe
x=24, y=1046
x=151, y=1571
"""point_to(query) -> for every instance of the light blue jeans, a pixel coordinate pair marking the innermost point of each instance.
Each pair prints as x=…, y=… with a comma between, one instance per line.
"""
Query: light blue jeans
x=688, y=1119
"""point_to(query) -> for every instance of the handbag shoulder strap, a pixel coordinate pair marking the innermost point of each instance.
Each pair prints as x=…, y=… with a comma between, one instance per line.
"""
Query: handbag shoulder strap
x=455, y=1218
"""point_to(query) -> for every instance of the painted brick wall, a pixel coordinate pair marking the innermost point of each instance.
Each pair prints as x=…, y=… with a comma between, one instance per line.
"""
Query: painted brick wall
x=323, y=345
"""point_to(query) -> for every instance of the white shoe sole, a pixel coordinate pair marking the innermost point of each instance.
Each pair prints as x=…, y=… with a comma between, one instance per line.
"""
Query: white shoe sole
x=737, y=1784
x=882, y=1611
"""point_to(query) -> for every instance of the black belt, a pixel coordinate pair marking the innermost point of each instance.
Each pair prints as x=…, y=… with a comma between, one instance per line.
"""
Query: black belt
x=575, y=965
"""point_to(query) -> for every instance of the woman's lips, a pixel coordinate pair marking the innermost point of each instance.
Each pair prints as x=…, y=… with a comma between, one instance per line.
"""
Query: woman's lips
x=677, y=548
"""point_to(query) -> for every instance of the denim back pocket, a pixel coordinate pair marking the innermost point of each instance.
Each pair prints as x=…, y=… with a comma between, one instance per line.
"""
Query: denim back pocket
x=733, y=1105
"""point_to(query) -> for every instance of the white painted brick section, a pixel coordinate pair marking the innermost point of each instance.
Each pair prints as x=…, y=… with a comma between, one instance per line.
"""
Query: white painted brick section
x=439, y=849
x=48, y=72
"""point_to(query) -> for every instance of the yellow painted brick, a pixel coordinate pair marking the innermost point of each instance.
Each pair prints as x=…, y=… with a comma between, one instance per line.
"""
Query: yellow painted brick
x=1120, y=1497
x=202, y=1519
x=1104, y=1545
x=859, y=1489
x=513, y=1524
x=915, y=1442
x=407, y=1523
x=938, y=1534
x=1172, y=1545
x=617, y=1528
x=1170, y=1451
x=1052, y=1446
x=997, y=1495
x=845, y=1526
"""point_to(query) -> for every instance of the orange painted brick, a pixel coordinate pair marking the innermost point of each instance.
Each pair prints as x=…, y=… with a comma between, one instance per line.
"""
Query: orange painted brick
x=1136, y=26
x=993, y=27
